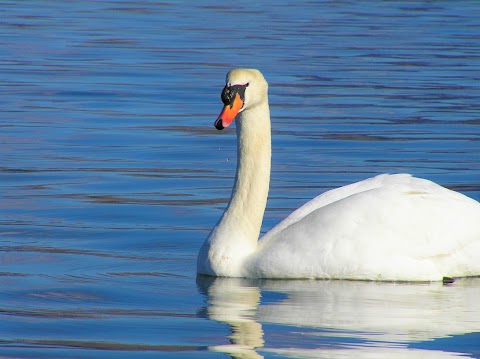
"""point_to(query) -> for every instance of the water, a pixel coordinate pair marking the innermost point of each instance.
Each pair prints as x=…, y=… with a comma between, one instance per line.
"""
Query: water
x=111, y=173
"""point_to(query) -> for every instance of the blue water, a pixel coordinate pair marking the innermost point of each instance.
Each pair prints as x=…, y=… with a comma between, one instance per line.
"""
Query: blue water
x=111, y=173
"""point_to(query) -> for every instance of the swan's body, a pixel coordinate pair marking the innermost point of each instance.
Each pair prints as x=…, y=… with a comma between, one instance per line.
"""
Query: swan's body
x=389, y=227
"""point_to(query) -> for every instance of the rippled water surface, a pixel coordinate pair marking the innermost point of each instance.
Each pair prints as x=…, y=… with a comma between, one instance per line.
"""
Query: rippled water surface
x=111, y=173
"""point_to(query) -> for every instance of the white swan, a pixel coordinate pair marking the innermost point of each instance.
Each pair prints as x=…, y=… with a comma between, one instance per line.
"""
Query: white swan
x=389, y=227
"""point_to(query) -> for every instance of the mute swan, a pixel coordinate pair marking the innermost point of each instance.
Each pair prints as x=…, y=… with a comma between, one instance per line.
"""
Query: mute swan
x=389, y=227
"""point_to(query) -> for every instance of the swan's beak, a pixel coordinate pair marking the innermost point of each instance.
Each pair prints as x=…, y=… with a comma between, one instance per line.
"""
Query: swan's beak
x=228, y=113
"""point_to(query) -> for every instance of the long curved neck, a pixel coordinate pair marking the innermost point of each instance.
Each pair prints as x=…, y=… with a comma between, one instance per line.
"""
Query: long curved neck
x=250, y=191
x=236, y=234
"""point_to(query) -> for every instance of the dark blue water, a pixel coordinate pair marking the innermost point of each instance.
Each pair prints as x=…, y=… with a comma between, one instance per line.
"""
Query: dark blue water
x=111, y=173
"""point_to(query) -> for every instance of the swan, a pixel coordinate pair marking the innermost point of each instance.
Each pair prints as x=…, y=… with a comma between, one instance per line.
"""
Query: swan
x=388, y=228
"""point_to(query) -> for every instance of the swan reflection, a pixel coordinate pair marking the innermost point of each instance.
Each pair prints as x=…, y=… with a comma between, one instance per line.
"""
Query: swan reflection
x=340, y=319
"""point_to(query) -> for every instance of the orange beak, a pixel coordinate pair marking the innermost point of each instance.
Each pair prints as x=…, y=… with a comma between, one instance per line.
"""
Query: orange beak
x=228, y=113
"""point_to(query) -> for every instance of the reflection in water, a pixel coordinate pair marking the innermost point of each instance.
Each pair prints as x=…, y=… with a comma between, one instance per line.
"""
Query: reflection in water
x=234, y=302
x=364, y=319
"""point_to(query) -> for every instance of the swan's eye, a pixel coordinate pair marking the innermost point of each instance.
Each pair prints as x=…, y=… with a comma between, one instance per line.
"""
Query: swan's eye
x=229, y=92
x=227, y=95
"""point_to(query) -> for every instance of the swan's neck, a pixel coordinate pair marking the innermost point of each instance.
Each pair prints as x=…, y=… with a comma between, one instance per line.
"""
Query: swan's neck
x=244, y=213
x=236, y=234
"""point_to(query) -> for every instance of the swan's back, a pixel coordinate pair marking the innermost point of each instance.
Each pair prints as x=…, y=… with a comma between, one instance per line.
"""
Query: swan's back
x=389, y=227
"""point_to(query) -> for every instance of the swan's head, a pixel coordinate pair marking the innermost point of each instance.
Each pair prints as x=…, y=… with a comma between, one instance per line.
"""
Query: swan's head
x=245, y=88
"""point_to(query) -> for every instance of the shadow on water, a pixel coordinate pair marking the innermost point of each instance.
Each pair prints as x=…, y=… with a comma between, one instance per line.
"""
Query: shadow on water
x=338, y=319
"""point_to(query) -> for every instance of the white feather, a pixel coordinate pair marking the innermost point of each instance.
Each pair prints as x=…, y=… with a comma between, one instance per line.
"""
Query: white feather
x=389, y=227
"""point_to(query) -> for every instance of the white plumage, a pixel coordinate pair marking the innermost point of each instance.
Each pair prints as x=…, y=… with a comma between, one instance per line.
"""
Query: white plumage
x=389, y=227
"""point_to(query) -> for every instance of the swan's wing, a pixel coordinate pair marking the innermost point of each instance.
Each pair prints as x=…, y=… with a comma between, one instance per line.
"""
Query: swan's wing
x=335, y=195
x=403, y=228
